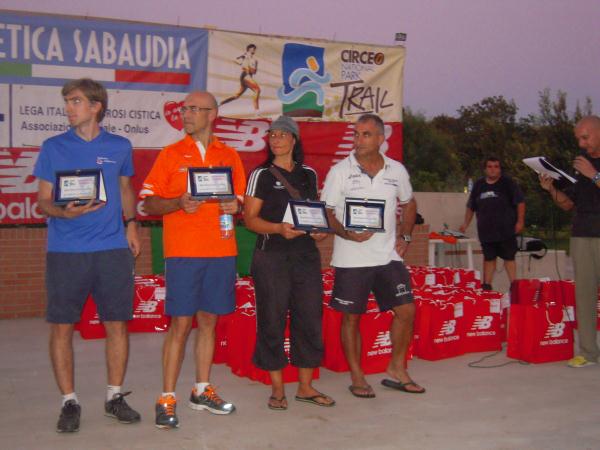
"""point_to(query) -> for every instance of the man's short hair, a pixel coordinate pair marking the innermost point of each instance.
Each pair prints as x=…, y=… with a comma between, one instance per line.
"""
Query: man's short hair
x=491, y=159
x=373, y=118
x=93, y=91
x=249, y=46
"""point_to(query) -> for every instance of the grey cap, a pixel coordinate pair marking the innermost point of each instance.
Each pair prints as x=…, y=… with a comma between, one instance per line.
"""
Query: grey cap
x=285, y=123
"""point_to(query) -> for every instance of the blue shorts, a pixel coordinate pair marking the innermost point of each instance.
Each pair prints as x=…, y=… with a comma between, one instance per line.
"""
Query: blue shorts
x=107, y=275
x=200, y=284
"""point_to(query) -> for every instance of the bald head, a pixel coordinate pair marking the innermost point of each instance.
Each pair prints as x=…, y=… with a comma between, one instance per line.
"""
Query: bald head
x=199, y=112
x=203, y=97
x=587, y=132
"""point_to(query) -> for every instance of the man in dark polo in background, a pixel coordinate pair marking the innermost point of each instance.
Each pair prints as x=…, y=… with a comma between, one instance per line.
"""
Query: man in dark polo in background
x=584, y=198
x=500, y=208
x=368, y=261
x=90, y=248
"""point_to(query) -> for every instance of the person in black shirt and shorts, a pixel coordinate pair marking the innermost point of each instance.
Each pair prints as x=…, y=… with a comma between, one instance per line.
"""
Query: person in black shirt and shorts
x=286, y=267
x=500, y=208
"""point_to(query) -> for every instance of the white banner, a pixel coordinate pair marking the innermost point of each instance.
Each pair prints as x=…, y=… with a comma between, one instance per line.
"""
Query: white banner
x=147, y=119
x=4, y=116
x=256, y=76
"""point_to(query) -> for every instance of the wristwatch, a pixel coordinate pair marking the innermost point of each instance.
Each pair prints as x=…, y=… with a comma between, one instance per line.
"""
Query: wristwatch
x=406, y=237
x=596, y=178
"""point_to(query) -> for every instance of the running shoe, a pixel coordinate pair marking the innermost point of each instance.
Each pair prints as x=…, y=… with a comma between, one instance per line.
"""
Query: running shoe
x=120, y=410
x=211, y=401
x=68, y=421
x=165, y=412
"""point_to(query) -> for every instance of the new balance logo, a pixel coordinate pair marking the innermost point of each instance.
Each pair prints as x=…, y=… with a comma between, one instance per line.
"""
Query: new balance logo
x=382, y=340
x=146, y=307
x=482, y=323
x=248, y=136
x=16, y=172
x=382, y=345
x=555, y=330
x=448, y=328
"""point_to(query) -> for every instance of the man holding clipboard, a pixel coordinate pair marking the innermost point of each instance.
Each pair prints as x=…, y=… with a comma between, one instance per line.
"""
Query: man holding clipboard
x=362, y=193
x=90, y=248
x=584, y=198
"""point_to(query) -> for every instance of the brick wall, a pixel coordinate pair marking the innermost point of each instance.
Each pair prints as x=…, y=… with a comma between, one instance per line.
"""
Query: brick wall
x=23, y=265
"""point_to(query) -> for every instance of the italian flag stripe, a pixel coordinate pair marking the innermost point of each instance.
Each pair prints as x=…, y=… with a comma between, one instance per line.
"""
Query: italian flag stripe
x=71, y=72
x=138, y=76
x=96, y=73
x=15, y=70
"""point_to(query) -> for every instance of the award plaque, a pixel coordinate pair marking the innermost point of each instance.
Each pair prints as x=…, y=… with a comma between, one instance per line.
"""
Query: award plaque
x=310, y=216
x=79, y=186
x=210, y=182
x=362, y=214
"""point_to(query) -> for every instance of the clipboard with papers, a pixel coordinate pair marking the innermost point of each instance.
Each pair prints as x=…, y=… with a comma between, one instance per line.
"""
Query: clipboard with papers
x=544, y=167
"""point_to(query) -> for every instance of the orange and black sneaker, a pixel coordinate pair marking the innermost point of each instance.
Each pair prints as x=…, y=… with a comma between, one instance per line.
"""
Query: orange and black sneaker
x=210, y=400
x=165, y=412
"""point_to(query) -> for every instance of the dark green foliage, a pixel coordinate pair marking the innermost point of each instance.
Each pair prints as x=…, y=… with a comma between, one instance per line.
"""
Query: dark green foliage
x=441, y=154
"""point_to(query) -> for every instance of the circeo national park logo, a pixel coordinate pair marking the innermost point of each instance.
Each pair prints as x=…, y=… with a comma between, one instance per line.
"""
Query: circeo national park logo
x=303, y=72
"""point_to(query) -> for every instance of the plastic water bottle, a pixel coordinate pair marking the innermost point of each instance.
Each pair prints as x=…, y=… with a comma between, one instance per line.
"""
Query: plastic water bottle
x=226, y=225
x=470, y=185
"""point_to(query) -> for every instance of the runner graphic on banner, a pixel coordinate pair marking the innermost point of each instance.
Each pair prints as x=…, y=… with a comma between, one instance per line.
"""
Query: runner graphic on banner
x=312, y=79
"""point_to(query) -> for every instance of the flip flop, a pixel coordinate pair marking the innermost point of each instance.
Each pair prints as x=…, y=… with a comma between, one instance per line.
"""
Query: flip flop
x=313, y=399
x=400, y=386
x=281, y=406
x=370, y=394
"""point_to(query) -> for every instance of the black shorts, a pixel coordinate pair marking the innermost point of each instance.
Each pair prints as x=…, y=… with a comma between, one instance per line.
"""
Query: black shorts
x=503, y=249
x=107, y=275
x=389, y=283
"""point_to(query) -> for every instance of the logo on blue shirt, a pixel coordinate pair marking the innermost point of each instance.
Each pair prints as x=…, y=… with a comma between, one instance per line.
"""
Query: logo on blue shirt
x=103, y=160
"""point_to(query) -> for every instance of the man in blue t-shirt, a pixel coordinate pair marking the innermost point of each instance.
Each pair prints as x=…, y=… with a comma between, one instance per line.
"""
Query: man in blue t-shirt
x=500, y=208
x=91, y=250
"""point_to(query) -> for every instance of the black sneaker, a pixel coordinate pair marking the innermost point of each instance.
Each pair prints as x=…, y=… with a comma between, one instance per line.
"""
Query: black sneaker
x=486, y=287
x=165, y=412
x=68, y=421
x=120, y=410
x=211, y=401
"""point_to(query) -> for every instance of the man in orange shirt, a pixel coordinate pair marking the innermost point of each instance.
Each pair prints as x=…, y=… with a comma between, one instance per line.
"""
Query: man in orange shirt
x=199, y=263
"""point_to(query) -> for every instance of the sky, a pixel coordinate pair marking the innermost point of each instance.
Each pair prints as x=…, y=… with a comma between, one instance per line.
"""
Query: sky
x=458, y=51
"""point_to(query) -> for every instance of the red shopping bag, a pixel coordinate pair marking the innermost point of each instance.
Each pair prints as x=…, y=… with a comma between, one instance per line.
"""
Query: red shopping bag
x=440, y=329
x=241, y=340
x=221, y=338
x=333, y=353
x=376, y=348
x=149, y=305
x=524, y=292
x=539, y=333
x=244, y=292
x=467, y=278
x=482, y=323
x=89, y=325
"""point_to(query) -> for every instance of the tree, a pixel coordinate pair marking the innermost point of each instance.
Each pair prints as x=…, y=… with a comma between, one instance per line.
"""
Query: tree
x=428, y=155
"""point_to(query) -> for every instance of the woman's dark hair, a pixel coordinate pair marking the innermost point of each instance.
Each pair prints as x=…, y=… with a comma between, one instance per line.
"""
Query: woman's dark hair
x=297, y=153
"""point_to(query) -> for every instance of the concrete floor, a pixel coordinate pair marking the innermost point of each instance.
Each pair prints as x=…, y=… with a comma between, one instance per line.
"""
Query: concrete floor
x=548, y=406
